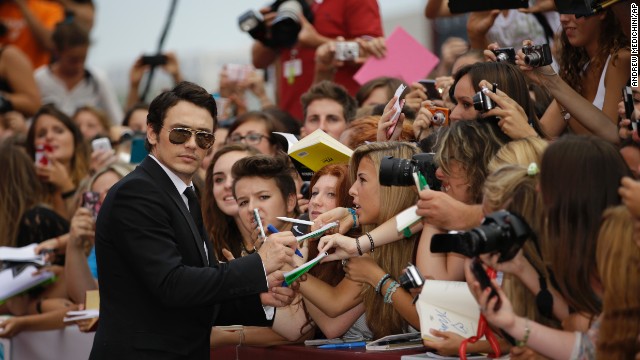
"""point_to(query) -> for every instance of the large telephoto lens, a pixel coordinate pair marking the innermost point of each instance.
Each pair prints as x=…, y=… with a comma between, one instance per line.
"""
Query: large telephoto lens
x=396, y=172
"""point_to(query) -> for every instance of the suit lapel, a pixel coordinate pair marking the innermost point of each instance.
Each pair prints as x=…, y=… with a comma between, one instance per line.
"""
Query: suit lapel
x=157, y=173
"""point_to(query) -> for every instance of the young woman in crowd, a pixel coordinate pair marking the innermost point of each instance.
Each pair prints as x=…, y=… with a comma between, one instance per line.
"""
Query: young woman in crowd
x=68, y=157
x=594, y=65
x=514, y=111
x=219, y=206
x=388, y=309
x=614, y=334
x=264, y=182
x=256, y=128
x=329, y=189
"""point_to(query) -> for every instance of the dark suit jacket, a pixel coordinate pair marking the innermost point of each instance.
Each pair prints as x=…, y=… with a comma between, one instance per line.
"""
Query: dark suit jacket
x=158, y=298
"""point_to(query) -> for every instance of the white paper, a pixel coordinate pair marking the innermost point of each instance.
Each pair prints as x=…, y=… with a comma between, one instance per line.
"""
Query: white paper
x=25, y=280
x=23, y=254
x=81, y=315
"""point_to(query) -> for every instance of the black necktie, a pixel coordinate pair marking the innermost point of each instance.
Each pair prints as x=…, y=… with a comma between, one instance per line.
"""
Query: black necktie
x=194, y=209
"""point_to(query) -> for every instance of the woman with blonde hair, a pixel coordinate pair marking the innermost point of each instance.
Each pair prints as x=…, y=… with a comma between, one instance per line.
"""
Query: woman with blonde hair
x=388, y=308
x=518, y=152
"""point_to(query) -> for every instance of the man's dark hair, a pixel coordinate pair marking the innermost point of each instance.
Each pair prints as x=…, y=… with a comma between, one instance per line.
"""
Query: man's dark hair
x=184, y=91
x=332, y=91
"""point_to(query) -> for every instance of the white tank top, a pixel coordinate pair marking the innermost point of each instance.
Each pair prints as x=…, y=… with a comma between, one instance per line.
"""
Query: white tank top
x=598, y=101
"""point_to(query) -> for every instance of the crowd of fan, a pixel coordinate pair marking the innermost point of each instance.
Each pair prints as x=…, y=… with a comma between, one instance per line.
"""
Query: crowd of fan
x=557, y=149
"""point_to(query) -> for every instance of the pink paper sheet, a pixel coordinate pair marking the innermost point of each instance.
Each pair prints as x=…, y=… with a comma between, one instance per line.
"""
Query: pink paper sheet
x=406, y=59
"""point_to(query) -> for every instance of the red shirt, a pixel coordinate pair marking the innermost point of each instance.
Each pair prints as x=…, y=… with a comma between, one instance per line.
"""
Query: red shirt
x=332, y=18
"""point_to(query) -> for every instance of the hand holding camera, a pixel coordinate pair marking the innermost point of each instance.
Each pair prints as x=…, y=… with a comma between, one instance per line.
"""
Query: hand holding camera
x=510, y=115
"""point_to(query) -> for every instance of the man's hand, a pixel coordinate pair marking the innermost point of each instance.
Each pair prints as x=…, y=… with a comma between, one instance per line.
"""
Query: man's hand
x=277, y=250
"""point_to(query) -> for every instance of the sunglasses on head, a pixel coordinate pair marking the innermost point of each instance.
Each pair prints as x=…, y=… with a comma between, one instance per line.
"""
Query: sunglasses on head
x=204, y=139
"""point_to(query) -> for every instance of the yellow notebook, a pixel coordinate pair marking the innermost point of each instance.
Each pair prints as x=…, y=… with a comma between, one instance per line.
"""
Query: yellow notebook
x=317, y=149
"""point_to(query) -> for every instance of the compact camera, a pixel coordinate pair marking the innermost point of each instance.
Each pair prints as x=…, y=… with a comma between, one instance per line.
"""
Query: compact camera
x=347, y=50
x=537, y=55
x=411, y=278
x=505, y=55
x=501, y=232
x=399, y=172
x=482, y=102
x=440, y=115
x=284, y=28
x=627, y=99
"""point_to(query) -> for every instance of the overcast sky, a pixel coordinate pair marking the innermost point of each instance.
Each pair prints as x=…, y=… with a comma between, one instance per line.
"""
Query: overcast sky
x=125, y=29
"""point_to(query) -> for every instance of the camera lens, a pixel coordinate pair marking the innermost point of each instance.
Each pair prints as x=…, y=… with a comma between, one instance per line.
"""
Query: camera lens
x=396, y=172
x=533, y=59
x=502, y=57
x=286, y=26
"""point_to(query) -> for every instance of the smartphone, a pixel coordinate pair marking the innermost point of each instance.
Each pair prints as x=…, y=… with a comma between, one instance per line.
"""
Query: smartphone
x=481, y=275
x=432, y=91
x=138, y=152
x=101, y=144
x=91, y=201
x=154, y=60
x=41, y=154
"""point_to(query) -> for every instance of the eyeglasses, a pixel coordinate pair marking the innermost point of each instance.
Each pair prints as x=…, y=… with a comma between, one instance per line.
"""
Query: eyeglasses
x=204, y=139
x=252, y=139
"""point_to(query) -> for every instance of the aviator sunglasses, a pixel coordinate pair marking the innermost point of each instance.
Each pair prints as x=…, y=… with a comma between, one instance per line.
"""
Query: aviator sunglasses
x=204, y=139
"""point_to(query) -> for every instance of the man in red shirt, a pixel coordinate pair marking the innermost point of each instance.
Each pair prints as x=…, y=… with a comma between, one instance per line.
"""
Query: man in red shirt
x=349, y=19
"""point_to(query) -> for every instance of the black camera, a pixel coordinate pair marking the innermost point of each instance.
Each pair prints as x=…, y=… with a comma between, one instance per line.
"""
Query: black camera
x=284, y=28
x=537, y=55
x=505, y=55
x=579, y=8
x=411, y=278
x=501, y=232
x=482, y=102
x=399, y=172
x=5, y=105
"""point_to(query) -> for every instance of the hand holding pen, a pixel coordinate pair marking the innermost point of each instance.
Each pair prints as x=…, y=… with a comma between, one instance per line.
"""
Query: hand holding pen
x=272, y=229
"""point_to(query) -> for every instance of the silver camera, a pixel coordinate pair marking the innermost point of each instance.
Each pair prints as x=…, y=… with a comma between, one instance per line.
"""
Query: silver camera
x=411, y=278
x=347, y=51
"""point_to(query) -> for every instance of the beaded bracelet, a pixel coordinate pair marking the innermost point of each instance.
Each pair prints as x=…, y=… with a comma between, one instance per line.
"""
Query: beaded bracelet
x=370, y=241
x=527, y=331
x=358, y=246
x=390, y=290
x=384, y=278
x=355, y=218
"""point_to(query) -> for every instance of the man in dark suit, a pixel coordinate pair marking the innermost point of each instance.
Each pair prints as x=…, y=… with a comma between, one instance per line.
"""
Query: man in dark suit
x=160, y=283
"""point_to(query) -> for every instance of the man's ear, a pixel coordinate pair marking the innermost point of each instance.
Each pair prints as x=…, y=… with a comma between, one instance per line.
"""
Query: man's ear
x=152, y=137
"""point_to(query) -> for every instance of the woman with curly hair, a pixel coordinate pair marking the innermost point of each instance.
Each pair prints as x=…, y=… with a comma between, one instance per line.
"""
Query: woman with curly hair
x=594, y=61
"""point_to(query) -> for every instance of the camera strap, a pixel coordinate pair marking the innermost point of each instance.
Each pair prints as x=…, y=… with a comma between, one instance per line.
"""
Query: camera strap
x=483, y=330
